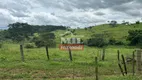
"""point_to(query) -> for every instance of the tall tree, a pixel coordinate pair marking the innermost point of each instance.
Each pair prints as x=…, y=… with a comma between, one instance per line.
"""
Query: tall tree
x=19, y=31
x=45, y=39
x=113, y=23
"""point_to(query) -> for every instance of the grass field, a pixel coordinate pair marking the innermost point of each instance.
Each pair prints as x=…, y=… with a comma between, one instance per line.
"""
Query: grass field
x=36, y=65
x=59, y=67
x=119, y=33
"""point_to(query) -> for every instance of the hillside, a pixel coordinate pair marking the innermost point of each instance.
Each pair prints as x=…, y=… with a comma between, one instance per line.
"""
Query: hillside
x=120, y=32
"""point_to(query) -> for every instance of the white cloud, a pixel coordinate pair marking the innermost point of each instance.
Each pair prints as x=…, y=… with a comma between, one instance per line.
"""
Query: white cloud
x=74, y=13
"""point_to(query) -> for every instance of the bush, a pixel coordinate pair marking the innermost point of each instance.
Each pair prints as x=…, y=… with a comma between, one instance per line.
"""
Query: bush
x=119, y=43
x=3, y=58
x=139, y=45
x=137, y=22
x=98, y=42
x=29, y=45
x=112, y=41
x=39, y=43
x=0, y=45
x=135, y=37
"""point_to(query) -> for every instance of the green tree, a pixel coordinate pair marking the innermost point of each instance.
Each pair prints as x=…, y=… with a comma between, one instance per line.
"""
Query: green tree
x=97, y=40
x=45, y=39
x=137, y=22
x=48, y=38
x=19, y=31
x=113, y=23
x=135, y=37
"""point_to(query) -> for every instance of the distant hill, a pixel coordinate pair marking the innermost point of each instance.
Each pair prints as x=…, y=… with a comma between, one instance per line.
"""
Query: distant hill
x=120, y=32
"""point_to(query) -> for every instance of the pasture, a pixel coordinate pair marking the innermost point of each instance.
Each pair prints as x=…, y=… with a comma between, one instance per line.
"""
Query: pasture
x=59, y=67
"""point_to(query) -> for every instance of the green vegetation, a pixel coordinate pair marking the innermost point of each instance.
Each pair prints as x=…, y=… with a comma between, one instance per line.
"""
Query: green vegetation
x=59, y=67
x=44, y=39
x=118, y=33
x=36, y=65
x=97, y=40
x=29, y=45
x=23, y=33
x=135, y=37
x=0, y=45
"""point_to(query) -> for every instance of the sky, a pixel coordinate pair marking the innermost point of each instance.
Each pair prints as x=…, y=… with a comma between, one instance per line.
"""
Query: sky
x=73, y=13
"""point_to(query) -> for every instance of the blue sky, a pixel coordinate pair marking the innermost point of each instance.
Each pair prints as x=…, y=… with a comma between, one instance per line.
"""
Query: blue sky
x=74, y=13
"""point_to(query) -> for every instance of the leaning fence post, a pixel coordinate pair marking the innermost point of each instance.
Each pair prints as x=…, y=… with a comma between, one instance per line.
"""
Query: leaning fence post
x=70, y=54
x=22, y=53
x=47, y=54
x=120, y=68
x=118, y=57
x=125, y=68
x=96, y=69
x=133, y=68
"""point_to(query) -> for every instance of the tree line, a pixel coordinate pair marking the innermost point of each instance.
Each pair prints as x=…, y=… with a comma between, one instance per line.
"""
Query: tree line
x=38, y=34
x=41, y=35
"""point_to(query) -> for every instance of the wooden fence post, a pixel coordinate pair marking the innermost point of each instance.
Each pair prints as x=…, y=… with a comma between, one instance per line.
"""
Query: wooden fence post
x=133, y=64
x=22, y=52
x=139, y=53
x=96, y=69
x=125, y=68
x=47, y=53
x=120, y=68
x=118, y=55
x=70, y=54
x=103, y=55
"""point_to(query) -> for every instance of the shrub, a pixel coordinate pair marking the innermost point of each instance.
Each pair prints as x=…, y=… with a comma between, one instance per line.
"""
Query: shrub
x=98, y=42
x=0, y=45
x=112, y=41
x=3, y=58
x=39, y=43
x=139, y=45
x=47, y=39
x=119, y=43
x=137, y=22
x=44, y=39
x=29, y=45
x=135, y=37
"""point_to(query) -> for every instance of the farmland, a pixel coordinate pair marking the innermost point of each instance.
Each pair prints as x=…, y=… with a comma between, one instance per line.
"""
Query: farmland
x=59, y=67
x=36, y=65
x=70, y=40
x=119, y=33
